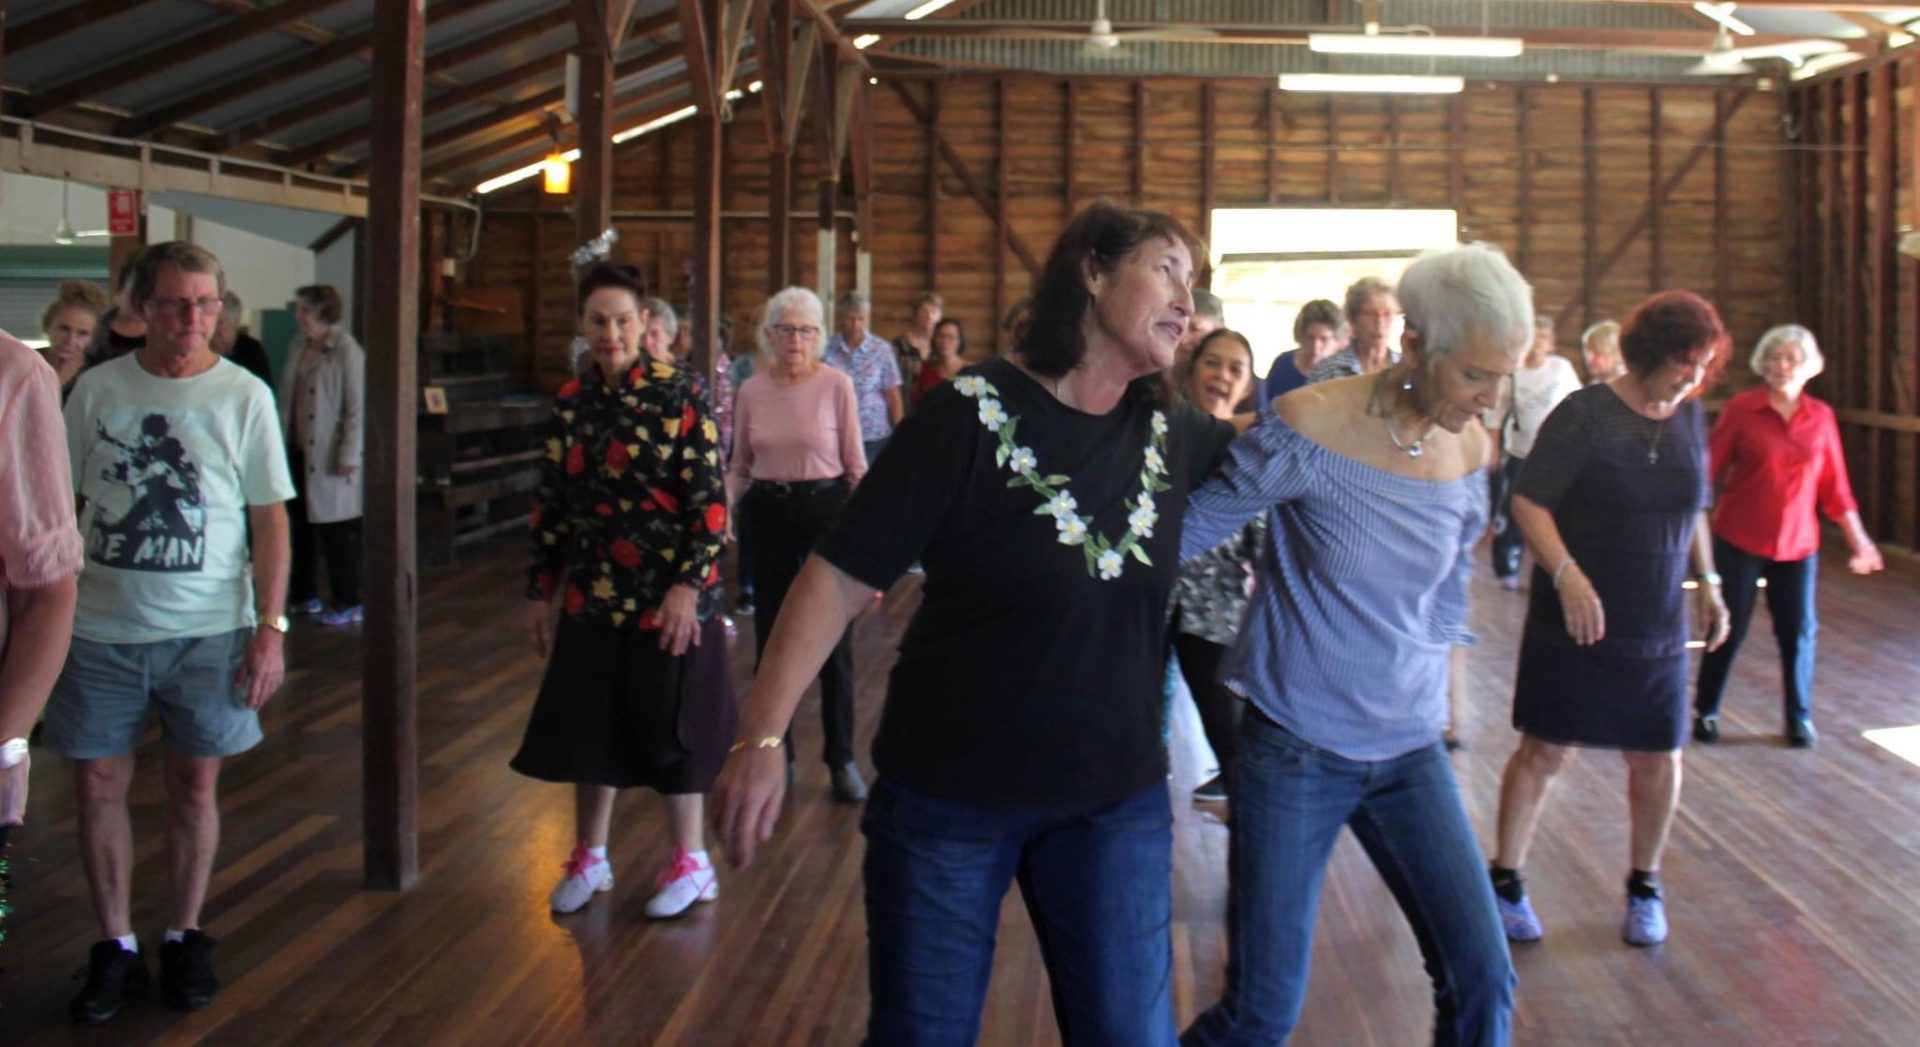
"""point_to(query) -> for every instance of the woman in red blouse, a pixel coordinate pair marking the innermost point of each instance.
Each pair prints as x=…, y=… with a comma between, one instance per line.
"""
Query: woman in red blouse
x=627, y=532
x=948, y=356
x=1776, y=460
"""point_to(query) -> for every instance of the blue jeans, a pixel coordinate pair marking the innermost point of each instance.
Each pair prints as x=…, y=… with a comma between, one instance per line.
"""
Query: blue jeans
x=1290, y=801
x=874, y=447
x=1097, y=887
x=1789, y=601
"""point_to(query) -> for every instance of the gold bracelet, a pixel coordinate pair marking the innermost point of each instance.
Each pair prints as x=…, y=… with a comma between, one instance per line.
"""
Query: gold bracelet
x=771, y=741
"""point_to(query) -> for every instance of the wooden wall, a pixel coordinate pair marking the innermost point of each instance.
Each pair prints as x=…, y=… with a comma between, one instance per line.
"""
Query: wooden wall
x=1601, y=194
x=1855, y=141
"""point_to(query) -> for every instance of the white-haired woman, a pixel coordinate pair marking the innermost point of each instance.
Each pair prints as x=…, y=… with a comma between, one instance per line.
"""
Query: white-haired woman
x=1375, y=492
x=796, y=454
x=663, y=328
x=1776, y=460
x=1600, y=351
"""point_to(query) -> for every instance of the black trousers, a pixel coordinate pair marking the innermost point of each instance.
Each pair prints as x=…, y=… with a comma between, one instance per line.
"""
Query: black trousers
x=783, y=530
x=1219, y=707
x=1508, y=543
x=338, y=542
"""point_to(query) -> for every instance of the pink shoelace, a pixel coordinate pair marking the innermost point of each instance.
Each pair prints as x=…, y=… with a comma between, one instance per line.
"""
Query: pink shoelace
x=683, y=865
x=580, y=861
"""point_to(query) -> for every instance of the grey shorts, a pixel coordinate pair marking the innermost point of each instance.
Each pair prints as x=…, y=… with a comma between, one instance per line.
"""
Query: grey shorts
x=108, y=691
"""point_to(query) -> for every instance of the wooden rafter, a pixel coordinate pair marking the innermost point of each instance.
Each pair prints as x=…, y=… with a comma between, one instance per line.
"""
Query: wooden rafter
x=798, y=69
x=817, y=14
x=108, y=78
x=1676, y=41
x=958, y=166
x=358, y=45
x=48, y=28
x=701, y=78
x=735, y=15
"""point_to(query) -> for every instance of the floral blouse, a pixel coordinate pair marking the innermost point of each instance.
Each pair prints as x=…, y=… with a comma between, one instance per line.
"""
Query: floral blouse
x=631, y=500
x=1210, y=594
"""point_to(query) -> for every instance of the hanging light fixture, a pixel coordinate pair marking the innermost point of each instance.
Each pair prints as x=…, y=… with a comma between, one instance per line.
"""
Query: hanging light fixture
x=556, y=174
x=63, y=233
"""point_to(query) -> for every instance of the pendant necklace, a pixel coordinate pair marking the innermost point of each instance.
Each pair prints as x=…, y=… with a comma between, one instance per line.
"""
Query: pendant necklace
x=1417, y=447
x=1653, y=446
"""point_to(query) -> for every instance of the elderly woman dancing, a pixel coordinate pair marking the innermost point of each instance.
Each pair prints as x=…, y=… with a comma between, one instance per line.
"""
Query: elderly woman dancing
x=1776, y=459
x=627, y=529
x=1612, y=501
x=1375, y=493
x=1021, y=736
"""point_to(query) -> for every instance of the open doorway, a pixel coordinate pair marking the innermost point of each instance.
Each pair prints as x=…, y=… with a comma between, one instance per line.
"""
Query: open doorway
x=1270, y=261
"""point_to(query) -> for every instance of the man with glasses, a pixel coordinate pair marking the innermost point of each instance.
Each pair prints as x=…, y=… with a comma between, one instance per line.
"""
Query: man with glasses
x=175, y=452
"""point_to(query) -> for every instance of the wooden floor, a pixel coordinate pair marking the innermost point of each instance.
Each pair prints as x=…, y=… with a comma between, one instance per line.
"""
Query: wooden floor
x=1793, y=878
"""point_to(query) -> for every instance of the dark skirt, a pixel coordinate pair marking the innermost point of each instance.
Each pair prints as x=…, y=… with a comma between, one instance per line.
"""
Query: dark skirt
x=616, y=710
x=1588, y=696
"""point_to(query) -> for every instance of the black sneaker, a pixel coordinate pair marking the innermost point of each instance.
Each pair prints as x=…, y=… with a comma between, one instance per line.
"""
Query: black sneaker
x=186, y=972
x=1213, y=790
x=1800, y=734
x=112, y=974
x=1706, y=729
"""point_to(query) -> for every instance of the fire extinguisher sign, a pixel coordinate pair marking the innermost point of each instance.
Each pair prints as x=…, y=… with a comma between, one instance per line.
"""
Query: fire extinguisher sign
x=122, y=216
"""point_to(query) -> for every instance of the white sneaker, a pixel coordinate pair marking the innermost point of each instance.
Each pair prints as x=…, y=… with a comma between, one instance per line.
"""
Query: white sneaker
x=683, y=884
x=586, y=876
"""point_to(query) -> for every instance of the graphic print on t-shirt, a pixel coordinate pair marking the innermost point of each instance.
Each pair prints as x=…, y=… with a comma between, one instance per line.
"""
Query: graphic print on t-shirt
x=150, y=514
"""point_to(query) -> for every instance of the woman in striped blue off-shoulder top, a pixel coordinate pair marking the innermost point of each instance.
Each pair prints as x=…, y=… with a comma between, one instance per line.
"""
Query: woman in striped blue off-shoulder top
x=1375, y=493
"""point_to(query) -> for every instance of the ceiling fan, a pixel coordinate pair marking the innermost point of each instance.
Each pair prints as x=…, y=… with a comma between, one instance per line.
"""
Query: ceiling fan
x=63, y=233
x=1100, y=36
x=1724, y=59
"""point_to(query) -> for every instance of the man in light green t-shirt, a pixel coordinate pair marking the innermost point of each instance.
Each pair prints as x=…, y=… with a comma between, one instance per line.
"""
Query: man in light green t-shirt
x=176, y=456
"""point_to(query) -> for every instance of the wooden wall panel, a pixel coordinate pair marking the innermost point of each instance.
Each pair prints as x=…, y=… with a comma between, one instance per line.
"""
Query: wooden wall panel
x=1542, y=204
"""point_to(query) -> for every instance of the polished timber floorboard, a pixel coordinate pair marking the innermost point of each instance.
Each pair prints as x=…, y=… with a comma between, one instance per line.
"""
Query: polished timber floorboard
x=1793, y=877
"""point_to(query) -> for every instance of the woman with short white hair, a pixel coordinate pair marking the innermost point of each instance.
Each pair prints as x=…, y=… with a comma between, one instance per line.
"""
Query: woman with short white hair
x=1375, y=495
x=1777, y=463
x=662, y=328
x=796, y=455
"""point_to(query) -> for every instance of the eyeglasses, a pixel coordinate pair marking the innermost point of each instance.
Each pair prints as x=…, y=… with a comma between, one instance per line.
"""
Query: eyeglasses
x=804, y=331
x=182, y=308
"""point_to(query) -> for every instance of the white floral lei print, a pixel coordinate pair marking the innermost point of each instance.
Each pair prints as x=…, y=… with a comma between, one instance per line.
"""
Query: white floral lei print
x=1104, y=558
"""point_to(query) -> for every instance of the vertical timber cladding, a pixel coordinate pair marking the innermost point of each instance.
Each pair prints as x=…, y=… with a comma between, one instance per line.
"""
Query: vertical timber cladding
x=1268, y=146
x=1857, y=146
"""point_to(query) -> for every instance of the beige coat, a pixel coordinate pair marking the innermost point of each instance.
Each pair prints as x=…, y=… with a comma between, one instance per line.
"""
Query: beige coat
x=335, y=397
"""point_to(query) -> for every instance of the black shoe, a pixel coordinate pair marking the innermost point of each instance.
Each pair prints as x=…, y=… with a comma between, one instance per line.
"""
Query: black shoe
x=744, y=605
x=113, y=973
x=186, y=972
x=1213, y=790
x=1800, y=734
x=1706, y=728
x=848, y=786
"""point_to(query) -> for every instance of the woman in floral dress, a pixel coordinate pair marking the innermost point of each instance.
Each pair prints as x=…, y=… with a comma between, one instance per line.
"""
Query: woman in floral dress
x=627, y=530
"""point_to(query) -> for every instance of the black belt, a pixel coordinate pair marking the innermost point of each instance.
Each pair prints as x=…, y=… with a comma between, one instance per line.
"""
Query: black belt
x=792, y=488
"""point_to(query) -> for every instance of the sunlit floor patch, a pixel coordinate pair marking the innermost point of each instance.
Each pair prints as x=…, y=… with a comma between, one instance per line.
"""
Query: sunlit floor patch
x=1903, y=742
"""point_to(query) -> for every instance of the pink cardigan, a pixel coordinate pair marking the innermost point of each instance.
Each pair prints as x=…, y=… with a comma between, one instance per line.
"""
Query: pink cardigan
x=807, y=431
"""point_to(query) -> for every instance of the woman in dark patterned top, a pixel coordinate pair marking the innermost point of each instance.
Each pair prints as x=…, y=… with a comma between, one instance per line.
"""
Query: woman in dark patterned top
x=627, y=533
x=1210, y=595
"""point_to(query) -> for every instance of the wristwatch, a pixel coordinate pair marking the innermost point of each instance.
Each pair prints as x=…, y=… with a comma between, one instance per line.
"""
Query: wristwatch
x=277, y=622
x=12, y=752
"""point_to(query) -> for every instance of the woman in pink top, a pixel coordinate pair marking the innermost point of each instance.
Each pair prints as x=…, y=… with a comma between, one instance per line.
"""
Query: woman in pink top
x=39, y=556
x=796, y=453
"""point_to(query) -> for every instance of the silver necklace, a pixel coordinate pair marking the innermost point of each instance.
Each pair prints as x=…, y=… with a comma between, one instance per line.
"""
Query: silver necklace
x=1653, y=446
x=1417, y=447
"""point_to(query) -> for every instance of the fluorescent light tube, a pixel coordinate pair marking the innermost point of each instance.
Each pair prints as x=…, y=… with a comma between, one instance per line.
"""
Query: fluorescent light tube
x=1723, y=14
x=1416, y=44
x=1371, y=84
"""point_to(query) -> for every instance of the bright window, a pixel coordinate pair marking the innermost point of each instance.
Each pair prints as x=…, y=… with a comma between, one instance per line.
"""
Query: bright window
x=1270, y=261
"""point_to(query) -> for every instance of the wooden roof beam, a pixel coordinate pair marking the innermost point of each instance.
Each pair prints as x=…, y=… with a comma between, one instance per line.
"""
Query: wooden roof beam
x=816, y=11
x=48, y=28
x=170, y=55
x=1679, y=41
x=358, y=45
x=700, y=66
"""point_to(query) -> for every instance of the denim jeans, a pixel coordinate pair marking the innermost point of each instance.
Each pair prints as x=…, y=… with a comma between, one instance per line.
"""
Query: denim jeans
x=1789, y=601
x=1290, y=800
x=1097, y=887
x=872, y=448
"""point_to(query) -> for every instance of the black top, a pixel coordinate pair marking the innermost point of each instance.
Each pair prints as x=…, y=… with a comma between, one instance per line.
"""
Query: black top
x=250, y=354
x=1625, y=491
x=1025, y=679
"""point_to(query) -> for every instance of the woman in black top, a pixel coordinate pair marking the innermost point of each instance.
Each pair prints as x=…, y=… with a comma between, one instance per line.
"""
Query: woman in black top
x=1021, y=734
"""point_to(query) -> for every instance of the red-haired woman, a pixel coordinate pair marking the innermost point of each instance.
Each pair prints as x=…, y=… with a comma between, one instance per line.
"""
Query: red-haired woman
x=627, y=530
x=1612, y=502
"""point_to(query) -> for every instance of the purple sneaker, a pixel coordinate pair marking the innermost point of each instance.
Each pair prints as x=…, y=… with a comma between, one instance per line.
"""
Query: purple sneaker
x=344, y=616
x=1518, y=919
x=1646, y=922
x=305, y=608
